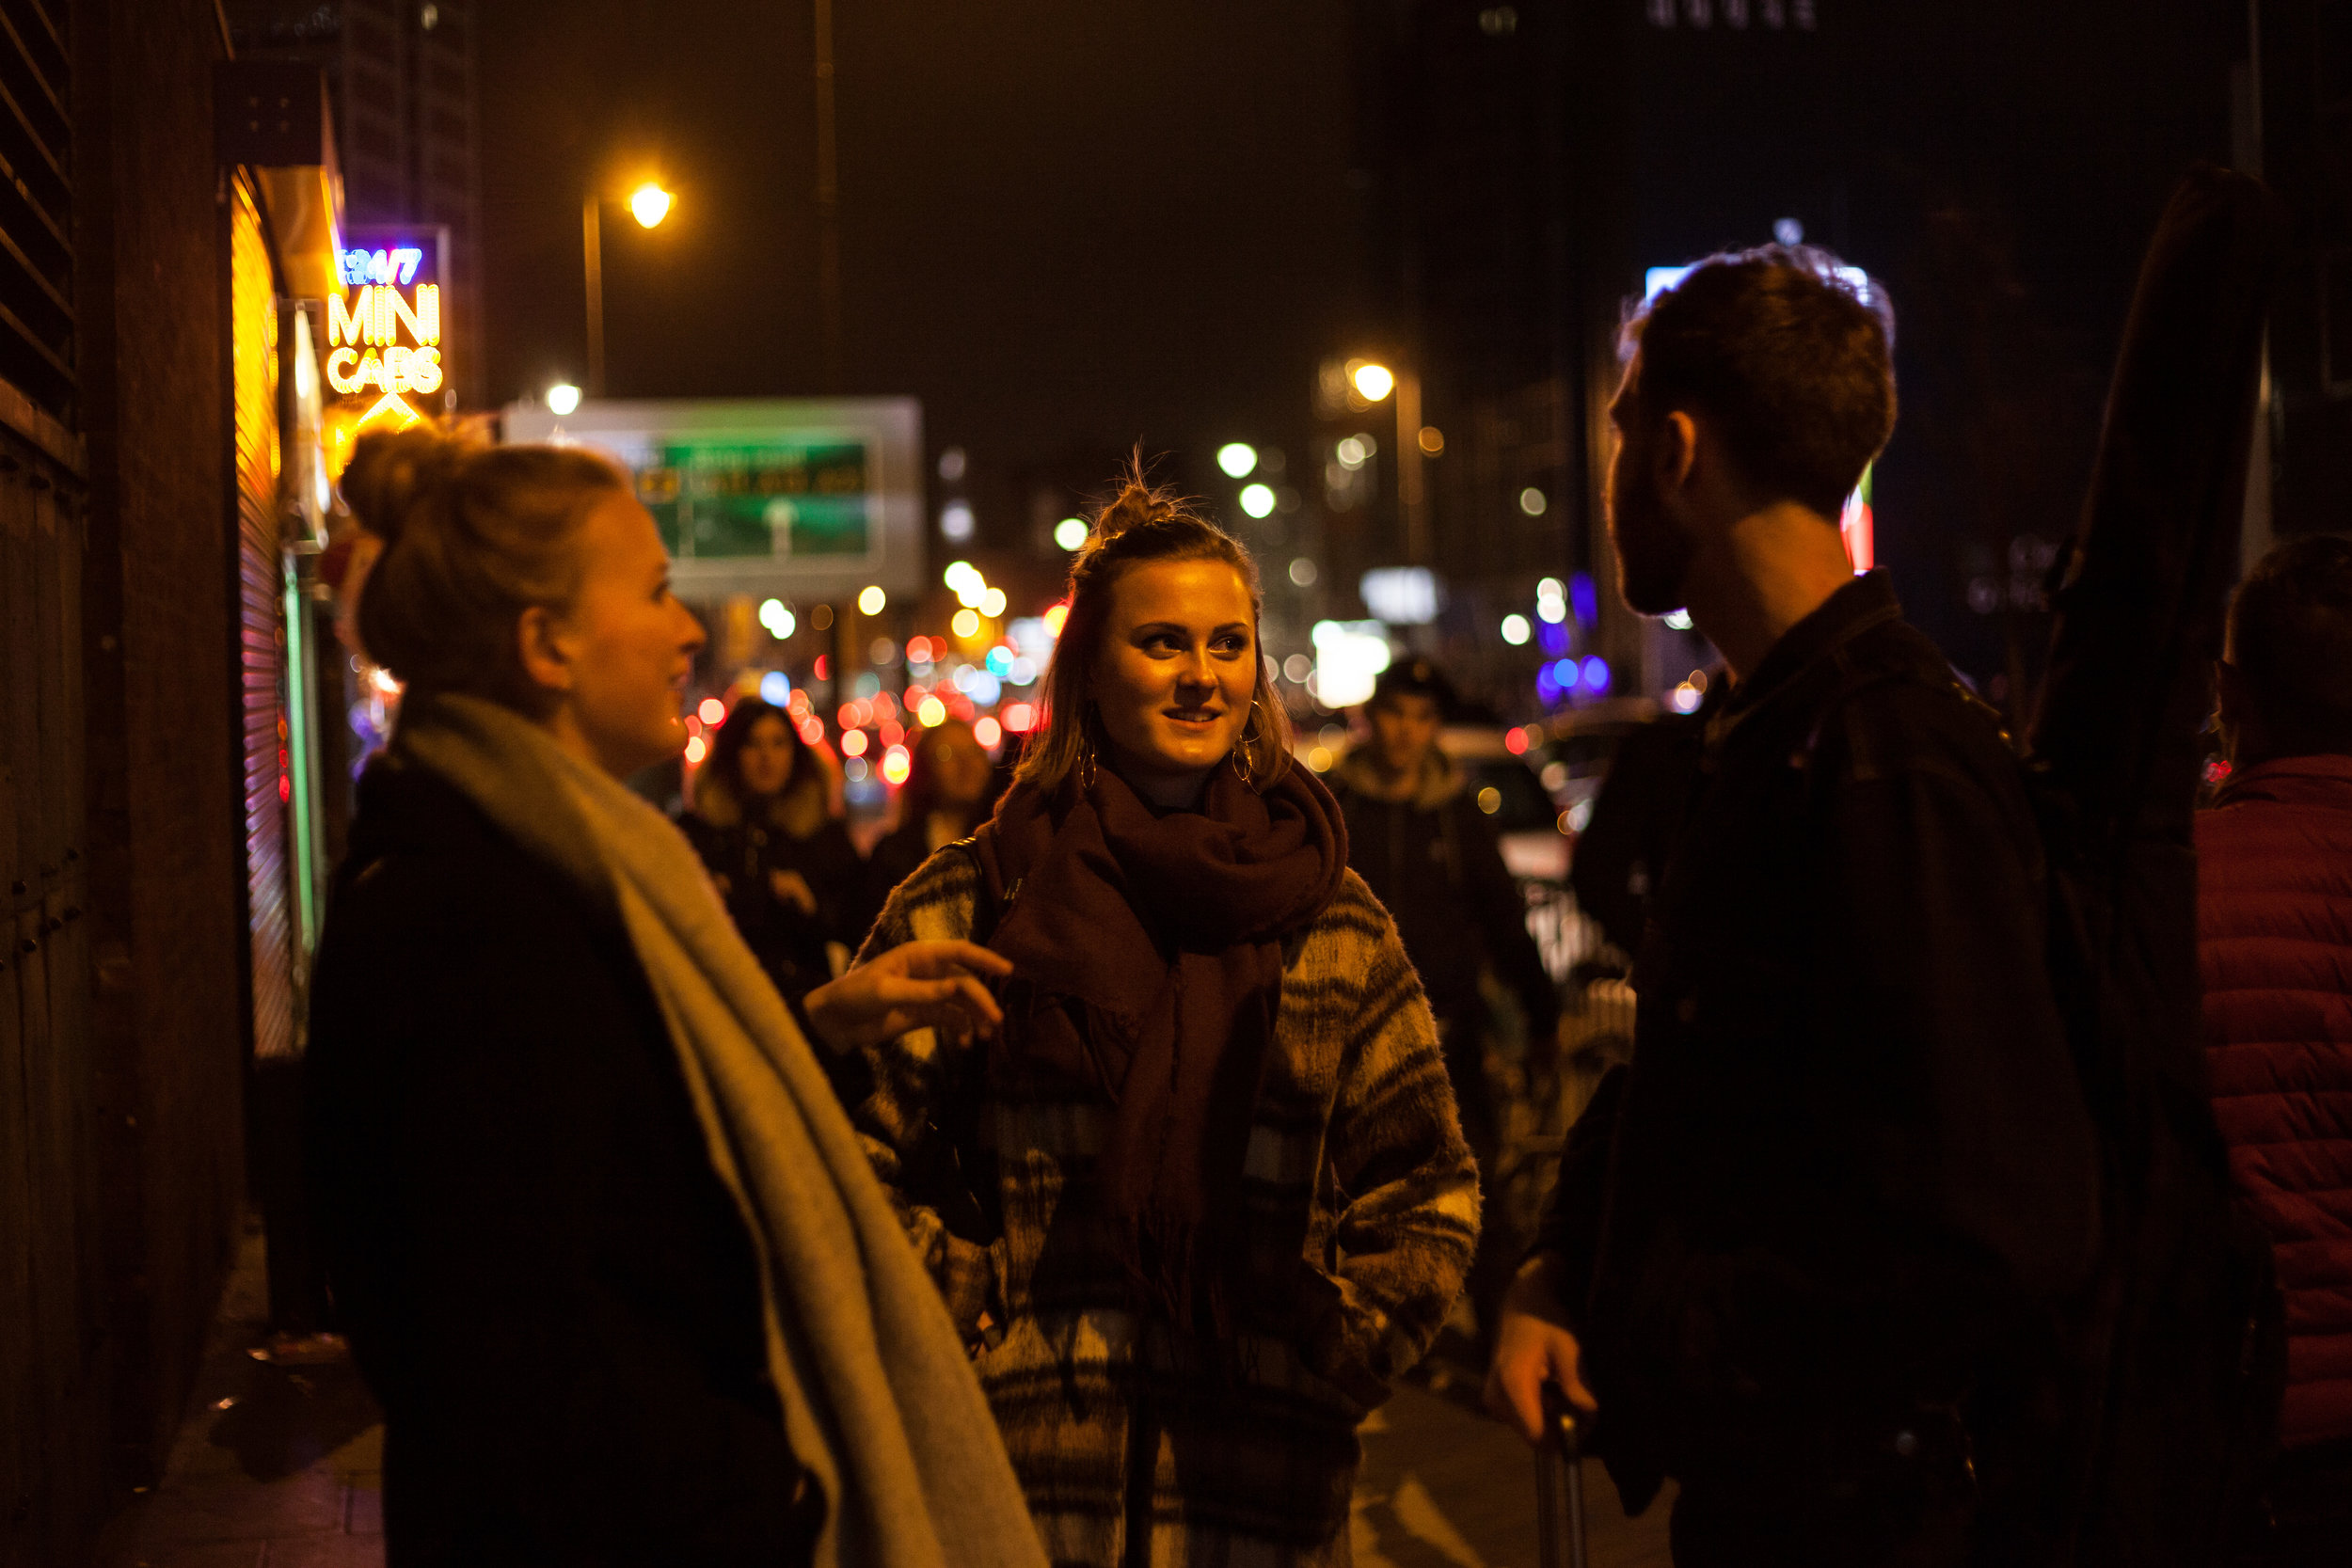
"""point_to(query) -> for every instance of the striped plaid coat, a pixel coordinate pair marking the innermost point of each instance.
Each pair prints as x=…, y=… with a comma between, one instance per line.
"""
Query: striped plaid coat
x=1361, y=1210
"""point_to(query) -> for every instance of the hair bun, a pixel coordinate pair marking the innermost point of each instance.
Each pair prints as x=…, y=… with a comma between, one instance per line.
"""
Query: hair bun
x=392, y=472
x=1138, y=503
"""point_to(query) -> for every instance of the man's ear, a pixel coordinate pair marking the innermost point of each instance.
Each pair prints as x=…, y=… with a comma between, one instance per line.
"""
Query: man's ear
x=1677, y=450
x=545, y=658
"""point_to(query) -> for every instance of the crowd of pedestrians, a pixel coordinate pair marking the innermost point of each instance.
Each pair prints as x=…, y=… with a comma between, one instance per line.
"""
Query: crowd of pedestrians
x=1085, y=1215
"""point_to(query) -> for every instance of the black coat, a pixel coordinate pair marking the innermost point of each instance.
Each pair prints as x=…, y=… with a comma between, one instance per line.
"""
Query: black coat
x=1436, y=864
x=540, y=1275
x=788, y=942
x=1848, y=1177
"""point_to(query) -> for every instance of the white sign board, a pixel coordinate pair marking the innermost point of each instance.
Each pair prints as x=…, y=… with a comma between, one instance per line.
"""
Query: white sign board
x=803, y=499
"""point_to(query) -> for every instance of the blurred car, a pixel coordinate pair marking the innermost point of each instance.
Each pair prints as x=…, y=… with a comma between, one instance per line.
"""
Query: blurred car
x=1526, y=818
x=1571, y=751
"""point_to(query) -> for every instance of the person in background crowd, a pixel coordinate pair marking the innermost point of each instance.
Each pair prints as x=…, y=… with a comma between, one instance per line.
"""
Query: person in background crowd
x=1205, y=1196
x=605, y=1247
x=1808, y=1253
x=763, y=824
x=1430, y=856
x=2275, y=917
x=947, y=794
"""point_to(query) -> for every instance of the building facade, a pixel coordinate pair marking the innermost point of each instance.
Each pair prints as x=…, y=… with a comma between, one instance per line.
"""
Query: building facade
x=157, y=492
x=401, y=75
x=1994, y=165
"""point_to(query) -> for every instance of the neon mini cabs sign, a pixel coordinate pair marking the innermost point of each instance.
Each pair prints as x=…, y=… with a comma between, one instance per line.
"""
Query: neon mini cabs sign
x=384, y=332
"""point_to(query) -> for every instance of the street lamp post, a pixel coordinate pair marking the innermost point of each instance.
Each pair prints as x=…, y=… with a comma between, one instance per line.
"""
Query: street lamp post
x=592, y=251
x=1375, y=383
x=649, y=203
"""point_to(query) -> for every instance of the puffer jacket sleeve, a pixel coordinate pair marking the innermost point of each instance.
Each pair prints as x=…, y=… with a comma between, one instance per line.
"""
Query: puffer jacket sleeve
x=921, y=1083
x=1407, y=1183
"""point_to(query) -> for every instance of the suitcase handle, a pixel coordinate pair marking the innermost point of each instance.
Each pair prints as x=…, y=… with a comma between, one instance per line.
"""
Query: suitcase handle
x=1560, y=1484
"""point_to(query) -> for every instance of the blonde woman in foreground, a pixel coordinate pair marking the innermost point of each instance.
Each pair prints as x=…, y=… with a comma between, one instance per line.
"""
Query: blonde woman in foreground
x=603, y=1243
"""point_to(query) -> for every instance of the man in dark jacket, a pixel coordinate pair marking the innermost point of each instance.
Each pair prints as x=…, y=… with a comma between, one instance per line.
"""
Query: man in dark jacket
x=1805, y=1250
x=2275, y=937
x=1422, y=844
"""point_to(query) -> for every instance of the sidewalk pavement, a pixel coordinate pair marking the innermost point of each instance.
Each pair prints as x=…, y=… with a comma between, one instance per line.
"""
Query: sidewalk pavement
x=278, y=1463
x=1446, y=1486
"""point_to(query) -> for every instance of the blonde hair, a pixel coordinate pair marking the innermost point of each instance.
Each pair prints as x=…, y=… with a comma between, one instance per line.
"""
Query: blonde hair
x=473, y=536
x=1141, y=524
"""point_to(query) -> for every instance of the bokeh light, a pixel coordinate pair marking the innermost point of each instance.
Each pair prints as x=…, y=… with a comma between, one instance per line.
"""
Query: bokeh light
x=1237, y=458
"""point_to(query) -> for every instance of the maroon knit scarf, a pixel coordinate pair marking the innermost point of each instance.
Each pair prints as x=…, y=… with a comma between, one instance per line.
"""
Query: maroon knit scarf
x=1148, y=965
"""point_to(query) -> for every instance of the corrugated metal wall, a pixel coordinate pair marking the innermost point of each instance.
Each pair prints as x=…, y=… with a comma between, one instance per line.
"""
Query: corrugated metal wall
x=262, y=628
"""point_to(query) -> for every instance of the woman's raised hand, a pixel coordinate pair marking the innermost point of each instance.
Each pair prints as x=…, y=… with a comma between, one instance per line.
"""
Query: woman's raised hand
x=917, y=985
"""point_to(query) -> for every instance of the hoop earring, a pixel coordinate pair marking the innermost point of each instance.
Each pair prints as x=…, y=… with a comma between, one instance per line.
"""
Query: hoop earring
x=1086, y=766
x=1244, y=756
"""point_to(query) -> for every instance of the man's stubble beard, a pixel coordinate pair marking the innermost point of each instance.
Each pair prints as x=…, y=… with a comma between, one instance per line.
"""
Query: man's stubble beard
x=1653, y=555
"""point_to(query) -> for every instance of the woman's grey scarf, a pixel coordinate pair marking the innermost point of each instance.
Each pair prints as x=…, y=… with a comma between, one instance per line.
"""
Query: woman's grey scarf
x=878, y=1397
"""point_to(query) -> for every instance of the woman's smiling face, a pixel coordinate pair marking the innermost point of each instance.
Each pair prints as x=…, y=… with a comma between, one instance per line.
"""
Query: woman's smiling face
x=1178, y=669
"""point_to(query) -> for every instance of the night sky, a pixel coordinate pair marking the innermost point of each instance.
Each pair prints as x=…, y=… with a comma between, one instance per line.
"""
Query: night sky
x=1065, y=224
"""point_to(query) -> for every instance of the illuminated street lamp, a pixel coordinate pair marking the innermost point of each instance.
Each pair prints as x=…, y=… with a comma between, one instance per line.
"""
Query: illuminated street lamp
x=650, y=205
x=563, y=399
x=1374, y=381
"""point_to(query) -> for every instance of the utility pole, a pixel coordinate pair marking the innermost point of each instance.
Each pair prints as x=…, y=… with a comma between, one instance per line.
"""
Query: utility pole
x=828, y=203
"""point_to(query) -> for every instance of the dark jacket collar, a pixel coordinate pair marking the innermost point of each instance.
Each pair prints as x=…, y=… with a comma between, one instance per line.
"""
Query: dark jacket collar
x=1867, y=602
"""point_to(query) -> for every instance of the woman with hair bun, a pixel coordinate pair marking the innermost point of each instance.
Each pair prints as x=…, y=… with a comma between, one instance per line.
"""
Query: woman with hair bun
x=1204, y=1194
x=603, y=1243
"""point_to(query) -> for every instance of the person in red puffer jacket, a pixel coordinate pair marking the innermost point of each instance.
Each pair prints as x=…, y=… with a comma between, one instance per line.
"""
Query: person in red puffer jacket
x=2275, y=917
